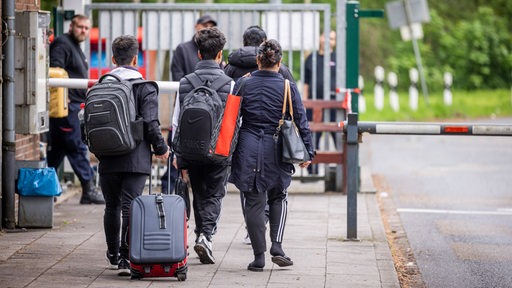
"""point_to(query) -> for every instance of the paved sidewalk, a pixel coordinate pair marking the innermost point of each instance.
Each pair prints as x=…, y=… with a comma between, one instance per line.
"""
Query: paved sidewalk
x=71, y=254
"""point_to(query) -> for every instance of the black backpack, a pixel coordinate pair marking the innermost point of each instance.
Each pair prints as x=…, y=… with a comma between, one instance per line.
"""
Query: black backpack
x=112, y=125
x=199, y=122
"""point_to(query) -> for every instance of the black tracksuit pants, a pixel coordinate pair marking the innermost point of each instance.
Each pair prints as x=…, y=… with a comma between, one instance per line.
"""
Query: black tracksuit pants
x=208, y=189
x=255, y=217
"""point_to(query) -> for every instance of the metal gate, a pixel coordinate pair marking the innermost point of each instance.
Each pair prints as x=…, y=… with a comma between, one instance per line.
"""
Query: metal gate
x=163, y=26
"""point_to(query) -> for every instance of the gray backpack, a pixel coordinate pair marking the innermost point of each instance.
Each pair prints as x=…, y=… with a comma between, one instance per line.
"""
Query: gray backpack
x=112, y=125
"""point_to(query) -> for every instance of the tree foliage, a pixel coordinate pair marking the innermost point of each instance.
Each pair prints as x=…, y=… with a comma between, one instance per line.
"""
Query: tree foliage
x=469, y=38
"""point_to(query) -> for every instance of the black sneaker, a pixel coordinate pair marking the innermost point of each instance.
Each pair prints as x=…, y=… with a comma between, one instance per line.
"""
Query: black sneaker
x=91, y=195
x=203, y=249
x=124, y=267
x=112, y=260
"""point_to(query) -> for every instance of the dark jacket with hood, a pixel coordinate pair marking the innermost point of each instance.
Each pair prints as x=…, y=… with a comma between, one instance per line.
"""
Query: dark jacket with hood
x=243, y=61
x=139, y=160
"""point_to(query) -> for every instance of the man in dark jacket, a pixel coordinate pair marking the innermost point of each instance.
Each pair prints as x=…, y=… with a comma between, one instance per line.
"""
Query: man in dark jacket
x=185, y=57
x=208, y=181
x=243, y=60
x=64, y=137
x=123, y=177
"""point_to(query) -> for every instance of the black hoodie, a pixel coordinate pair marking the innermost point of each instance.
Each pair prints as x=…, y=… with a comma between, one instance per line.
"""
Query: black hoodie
x=243, y=61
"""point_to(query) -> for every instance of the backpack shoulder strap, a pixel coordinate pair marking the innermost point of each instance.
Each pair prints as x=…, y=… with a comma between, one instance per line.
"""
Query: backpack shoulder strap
x=140, y=81
x=194, y=80
x=220, y=81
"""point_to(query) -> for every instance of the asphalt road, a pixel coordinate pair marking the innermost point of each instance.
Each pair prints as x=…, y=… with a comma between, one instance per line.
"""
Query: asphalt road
x=454, y=197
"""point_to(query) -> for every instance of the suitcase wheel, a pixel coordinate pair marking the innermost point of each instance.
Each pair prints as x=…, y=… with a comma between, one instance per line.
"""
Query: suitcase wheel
x=135, y=275
x=181, y=276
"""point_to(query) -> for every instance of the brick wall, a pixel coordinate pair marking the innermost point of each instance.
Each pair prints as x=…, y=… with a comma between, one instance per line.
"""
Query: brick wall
x=29, y=5
x=27, y=146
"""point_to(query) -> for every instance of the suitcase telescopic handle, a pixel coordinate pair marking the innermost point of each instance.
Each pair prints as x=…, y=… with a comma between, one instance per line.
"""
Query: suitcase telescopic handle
x=169, y=164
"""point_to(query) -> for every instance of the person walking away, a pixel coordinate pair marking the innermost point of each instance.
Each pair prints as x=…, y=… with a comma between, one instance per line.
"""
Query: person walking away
x=314, y=89
x=243, y=61
x=257, y=170
x=64, y=136
x=208, y=181
x=123, y=177
x=184, y=61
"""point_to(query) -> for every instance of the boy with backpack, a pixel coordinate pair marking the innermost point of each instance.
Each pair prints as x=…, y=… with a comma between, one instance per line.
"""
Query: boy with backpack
x=193, y=128
x=123, y=174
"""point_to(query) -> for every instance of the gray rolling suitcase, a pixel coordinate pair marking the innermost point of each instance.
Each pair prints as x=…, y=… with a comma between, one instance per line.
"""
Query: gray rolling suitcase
x=158, y=236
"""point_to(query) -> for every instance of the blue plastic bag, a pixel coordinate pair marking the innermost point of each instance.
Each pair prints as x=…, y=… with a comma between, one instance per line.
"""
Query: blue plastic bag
x=38, y=182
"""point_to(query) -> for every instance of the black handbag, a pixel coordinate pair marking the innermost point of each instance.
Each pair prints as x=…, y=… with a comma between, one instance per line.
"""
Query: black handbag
x=293, y=149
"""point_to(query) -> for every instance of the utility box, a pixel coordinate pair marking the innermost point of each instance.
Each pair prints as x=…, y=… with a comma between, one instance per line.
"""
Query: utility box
x=31, y=72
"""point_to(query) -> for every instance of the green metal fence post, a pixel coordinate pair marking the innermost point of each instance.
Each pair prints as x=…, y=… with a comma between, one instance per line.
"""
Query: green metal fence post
x=352, y=46
x=352, y=74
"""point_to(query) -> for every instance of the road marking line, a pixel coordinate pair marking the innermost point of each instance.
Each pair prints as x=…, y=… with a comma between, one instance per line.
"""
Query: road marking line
x=466, y=212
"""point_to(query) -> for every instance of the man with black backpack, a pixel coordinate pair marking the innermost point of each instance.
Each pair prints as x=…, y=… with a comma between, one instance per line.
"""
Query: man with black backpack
x=123, y=174
x=200, y=103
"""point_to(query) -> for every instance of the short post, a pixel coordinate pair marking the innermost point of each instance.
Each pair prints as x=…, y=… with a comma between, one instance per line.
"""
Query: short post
x=393, y=91
x=413, y=89
x=352, y=138
x=378, y=91
x=447, y=92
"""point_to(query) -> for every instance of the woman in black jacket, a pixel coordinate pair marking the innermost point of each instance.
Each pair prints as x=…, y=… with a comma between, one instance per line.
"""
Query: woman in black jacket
x=256, y=167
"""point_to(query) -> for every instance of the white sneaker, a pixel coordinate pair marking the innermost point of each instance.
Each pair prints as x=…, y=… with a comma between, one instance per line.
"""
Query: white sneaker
x=203, y=249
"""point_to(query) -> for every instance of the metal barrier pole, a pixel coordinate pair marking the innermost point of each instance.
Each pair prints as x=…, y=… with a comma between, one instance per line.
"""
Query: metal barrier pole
x=352, y=152
x=76, y=83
